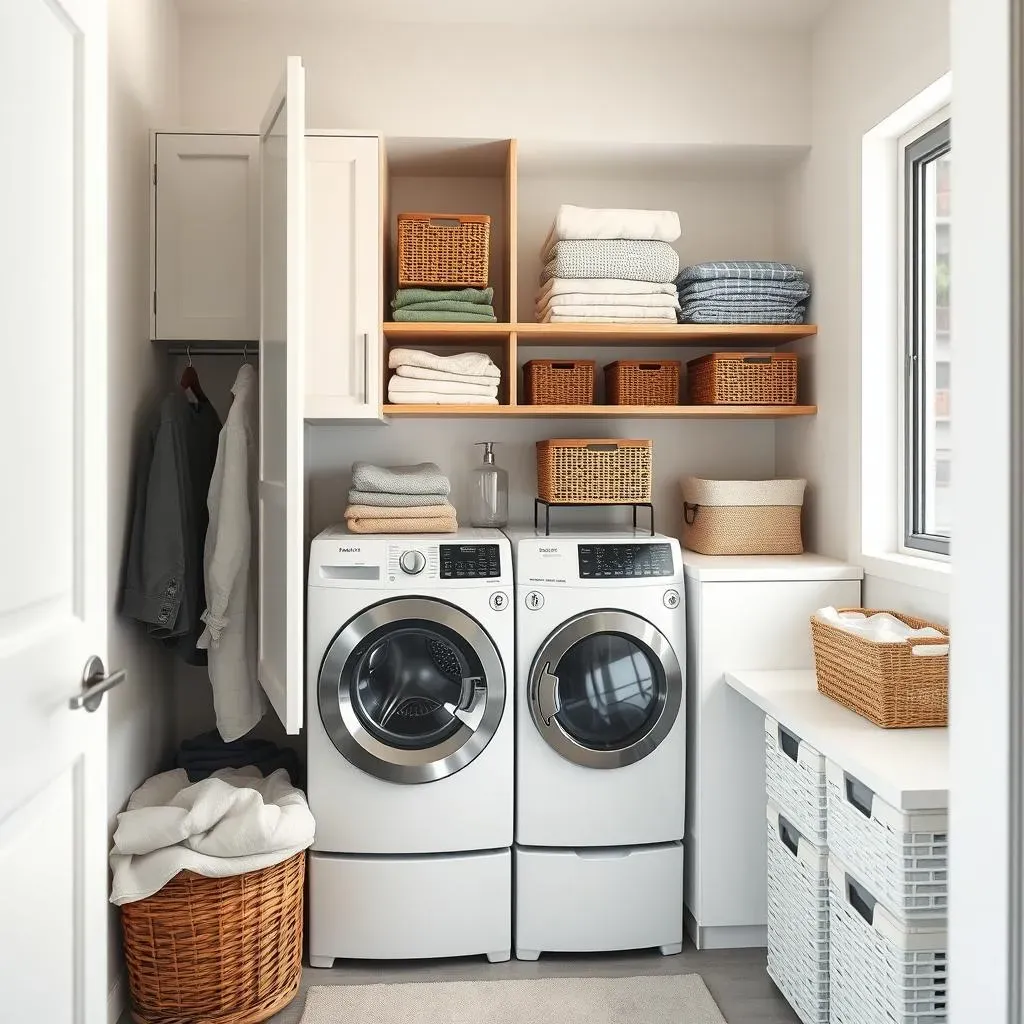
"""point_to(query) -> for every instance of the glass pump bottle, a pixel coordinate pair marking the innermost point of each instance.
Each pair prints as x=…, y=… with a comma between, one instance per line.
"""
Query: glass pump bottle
x=489, y=491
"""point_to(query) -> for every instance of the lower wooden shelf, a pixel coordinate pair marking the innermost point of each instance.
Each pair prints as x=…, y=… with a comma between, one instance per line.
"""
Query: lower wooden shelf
x=694, y=412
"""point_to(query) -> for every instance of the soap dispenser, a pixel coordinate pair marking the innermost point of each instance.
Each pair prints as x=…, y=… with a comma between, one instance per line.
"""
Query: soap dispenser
x=489, y=491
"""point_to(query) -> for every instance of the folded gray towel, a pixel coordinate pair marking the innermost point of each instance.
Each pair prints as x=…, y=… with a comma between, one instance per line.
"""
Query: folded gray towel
x=746, y=270
x=423, y=478
x=394, y=500
x=622, y=259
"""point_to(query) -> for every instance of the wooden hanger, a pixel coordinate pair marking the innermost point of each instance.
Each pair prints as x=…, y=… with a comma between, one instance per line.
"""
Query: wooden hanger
x=190, y=379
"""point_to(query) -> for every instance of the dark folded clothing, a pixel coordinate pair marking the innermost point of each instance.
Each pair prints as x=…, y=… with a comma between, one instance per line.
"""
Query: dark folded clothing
x=740, y=290
x=202, y=755
x=705, y=313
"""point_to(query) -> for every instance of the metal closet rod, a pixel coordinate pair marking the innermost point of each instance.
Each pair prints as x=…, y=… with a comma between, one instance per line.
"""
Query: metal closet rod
x=251, y=351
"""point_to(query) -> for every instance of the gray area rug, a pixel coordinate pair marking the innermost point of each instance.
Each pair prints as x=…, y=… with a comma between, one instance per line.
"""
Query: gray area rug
x=677, y=999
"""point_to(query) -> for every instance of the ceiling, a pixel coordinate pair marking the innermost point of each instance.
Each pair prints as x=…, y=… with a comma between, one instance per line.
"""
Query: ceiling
x=736, y=14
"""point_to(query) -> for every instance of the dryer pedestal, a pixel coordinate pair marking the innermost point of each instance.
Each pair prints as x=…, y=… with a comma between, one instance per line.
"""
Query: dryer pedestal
x=597, y=900
x=407, y=908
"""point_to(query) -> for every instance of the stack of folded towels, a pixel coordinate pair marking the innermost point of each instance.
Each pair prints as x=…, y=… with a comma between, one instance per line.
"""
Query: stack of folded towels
x=400, y=499
x=422, y=378
x=742, y=292
x=444, y=305
x=609, y=266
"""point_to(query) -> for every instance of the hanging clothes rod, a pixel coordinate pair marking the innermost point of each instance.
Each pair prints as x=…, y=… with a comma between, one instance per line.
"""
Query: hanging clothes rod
x=242, y=351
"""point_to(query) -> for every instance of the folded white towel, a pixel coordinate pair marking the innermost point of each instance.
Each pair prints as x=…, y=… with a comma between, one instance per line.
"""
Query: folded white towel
x=437, y=398
x=584, y=222
x=445, y=387
x=660, y=301
x=231, y=823
x=422, y=373
x=474, y=364
x=634, y=311
x=561, y=317
x=883, y=628
x=603, y=286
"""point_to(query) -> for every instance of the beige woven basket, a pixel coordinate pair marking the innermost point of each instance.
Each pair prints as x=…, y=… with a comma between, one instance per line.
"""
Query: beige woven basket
x=885, y=683
x=559, y=381
x=742, y=517
x=637, y=382
x=588, y=471
x=216, y=950
x=450, y=249
x=743, y=378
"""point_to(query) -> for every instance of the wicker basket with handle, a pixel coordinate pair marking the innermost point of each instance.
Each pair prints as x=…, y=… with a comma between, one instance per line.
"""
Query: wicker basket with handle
x=743, y=378
x=449, y=249
x=588, y=471
x=559, y=381
x=886, y=683
x=216, y=950
x=639, y=382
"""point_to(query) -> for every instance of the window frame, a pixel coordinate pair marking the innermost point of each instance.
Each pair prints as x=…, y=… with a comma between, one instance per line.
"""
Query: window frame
x=927, y=143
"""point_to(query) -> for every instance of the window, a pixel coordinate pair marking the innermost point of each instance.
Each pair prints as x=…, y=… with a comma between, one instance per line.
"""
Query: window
x=925, y=289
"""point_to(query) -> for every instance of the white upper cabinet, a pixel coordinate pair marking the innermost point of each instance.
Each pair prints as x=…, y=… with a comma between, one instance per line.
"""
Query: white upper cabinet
x=206, y=247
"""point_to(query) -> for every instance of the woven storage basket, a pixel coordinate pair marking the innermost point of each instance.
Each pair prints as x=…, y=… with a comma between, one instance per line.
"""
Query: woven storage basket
x=559, y=381
x=451, y=249
x=632, y=382
x=216, y=950
x=594, y=472
x=886, y=683
x=742, y=517
x=743, y=378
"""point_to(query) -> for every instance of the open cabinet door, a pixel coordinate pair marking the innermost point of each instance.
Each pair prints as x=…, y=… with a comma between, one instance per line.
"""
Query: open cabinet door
x=282, y=383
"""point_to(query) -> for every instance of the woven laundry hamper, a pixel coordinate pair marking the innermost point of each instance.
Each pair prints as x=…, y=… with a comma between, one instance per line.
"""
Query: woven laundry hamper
x=216, y=950
x=742, y=517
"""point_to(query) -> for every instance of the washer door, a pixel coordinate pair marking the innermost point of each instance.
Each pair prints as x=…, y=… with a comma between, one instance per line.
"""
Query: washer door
x=605, y=689
x=411, y=690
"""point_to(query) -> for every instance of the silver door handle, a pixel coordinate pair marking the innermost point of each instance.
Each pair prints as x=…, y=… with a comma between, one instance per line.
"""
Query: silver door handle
x=547, y=695
x=95, y=683
x=366, y=368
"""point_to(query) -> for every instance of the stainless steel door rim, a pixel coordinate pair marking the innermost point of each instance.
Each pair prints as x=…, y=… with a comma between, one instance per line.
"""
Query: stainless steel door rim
x=543, y=687
x=478, y=722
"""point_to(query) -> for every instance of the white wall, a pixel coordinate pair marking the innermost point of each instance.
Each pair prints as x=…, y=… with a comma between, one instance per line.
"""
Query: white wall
x=143, y=92
x=868, y=59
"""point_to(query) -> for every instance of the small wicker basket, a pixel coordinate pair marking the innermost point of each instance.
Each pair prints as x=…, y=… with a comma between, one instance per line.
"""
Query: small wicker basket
x=632, y=382
x=450, y=249
x=885, y=683
x=594, y=472
x=743, y=378
x=559, y=381
x=216, y=950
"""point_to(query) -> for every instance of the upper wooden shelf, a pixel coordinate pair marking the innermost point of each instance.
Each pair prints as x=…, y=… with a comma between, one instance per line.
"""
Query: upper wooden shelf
x=696, y=412
x=447, y=333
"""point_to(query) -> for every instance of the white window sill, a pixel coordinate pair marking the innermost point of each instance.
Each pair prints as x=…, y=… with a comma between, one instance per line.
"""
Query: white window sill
x=912, y=571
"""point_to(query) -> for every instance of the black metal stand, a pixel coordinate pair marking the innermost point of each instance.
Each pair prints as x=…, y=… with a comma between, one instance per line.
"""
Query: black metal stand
x=549, y=505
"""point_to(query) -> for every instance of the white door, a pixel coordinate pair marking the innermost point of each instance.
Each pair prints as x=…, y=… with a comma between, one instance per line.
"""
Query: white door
x=282, y=392
x=206, y=259
x=53, y=524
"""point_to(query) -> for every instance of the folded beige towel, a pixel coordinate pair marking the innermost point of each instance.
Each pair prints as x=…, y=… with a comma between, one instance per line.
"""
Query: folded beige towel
x=424, y=373
x=603, y=286
x=375, y=524
x=444, y=387
x=666, y=313
x=445, y=511
x=473, y=363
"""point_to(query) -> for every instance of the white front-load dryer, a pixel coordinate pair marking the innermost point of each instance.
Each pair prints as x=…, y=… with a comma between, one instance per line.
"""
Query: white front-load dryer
x=410, y=646
x=601, y=743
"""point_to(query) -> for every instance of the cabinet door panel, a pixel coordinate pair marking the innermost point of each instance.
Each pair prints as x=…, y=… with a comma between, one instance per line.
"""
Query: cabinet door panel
x=207, y=238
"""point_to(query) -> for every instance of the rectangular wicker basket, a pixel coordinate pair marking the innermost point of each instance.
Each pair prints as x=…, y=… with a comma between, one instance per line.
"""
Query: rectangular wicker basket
x=450, y=249
x=743, y=378
x=636, y=382
x=588, y=471
x=885, y=683
x=559, y=381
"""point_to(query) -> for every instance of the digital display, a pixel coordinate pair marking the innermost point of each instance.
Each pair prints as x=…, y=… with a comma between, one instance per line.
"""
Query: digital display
x=470, y=561
x=624, y=561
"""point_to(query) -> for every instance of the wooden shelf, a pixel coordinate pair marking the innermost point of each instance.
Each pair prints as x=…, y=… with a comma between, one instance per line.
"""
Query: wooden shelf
x=693, y=412
x=705, y=335
x=447, y=333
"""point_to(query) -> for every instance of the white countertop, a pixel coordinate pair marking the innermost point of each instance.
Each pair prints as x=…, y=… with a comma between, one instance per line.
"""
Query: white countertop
x=908, y=768
x=766, y=568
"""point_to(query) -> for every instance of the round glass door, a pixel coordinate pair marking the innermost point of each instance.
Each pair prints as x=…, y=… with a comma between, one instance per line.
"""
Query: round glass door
x=605, y=689
x=411, y=690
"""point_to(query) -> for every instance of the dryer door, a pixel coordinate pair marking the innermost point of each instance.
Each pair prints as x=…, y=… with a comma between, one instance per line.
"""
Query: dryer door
x=605, y=689
x=411, y=690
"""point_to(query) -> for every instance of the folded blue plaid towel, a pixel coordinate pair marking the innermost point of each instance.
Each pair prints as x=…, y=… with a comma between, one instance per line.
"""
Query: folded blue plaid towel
x=748, y=270
x=744, y=290
x=710, y=313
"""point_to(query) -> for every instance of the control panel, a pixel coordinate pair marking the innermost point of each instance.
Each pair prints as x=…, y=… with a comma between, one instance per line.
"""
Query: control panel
x=470, y=561
x=624, y=561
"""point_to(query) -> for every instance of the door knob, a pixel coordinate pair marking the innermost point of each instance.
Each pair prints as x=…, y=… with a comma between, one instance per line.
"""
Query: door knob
x=95, y=683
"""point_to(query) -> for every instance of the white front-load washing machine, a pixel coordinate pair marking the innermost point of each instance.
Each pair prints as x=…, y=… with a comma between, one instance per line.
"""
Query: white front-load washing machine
x=410, y=773
x=601, y=742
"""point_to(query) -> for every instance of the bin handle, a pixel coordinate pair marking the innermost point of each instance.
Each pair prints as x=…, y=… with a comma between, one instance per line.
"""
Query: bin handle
x=602, y=447
x=443, y=222
x=757, y=359
x=789, y=743
x=861, y=900
x=690, y=512
x=858, y=795
x=789, y=835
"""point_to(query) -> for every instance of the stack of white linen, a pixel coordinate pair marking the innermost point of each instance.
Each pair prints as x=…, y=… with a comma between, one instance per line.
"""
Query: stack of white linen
x=609, y=266
x=422, y=378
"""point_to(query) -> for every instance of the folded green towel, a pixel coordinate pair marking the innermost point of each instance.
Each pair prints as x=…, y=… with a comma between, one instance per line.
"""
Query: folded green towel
x=427, y=316
x=447, y=306
x=411, y=296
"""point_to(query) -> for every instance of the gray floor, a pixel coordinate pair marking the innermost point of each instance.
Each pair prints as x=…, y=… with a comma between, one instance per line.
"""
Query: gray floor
x=736, y=977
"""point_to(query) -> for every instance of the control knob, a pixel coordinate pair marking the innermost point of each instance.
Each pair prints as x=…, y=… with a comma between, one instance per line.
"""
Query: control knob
x=412, y=562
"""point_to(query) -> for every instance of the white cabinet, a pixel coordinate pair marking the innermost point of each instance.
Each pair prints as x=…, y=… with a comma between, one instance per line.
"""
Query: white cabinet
x=206, y=238
x=742, y=613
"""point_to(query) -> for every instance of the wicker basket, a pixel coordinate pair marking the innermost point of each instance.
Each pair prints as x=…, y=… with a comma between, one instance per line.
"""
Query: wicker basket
x=886, y=683
x=632, y=382
x=743, y=378
x=742, y=517
x=559, y=381
x=594, y=472
x=217, y=950
x=451, y=249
